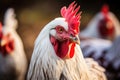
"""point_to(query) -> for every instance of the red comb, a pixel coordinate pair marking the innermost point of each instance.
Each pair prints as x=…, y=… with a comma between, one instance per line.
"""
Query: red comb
x=1, y=34
x=105, y=9
x=0, y=27
x=72, y=16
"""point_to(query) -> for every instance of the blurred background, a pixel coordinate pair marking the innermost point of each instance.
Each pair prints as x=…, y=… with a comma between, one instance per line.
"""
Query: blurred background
x=33, y=15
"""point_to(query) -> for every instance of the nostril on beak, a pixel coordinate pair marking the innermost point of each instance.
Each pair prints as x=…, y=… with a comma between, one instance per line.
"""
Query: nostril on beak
x=71, y=35
x=75, y=38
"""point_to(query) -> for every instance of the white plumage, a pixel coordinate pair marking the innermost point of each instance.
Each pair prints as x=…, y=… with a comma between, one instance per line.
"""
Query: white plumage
x=94, y=46
x=105, y=52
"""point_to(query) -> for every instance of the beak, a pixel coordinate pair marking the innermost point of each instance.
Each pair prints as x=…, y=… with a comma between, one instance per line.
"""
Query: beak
x=75, y=39
x=3, y=42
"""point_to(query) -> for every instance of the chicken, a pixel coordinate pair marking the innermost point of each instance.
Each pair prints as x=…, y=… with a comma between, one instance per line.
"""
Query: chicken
x=103, y=25
x=106, y=53
x=57, y=54
x=13, y=62
x=96, y=42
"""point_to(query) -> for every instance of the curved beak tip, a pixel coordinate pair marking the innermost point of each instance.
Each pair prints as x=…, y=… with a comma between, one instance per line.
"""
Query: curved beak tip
x=75, y=39
x=78, y=42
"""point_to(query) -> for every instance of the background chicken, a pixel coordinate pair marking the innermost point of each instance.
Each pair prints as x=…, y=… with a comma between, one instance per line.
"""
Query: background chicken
x=106, y=53
x=104, y=25
x=57, y=55
x=13, y=63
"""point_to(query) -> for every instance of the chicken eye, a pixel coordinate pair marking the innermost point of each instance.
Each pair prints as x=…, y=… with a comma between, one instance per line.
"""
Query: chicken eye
x=60, y=30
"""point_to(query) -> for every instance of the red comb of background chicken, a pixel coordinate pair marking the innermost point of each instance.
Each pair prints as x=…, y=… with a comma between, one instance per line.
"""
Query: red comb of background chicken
x=0, y=27
x=0, y=30
x=106, y=26
x=105, y=9
x=72, y=16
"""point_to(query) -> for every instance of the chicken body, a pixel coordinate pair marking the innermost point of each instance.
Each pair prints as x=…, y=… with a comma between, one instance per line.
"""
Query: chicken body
x=13, y=65
x=94, y=47
x=105, y=53
x=96, y=42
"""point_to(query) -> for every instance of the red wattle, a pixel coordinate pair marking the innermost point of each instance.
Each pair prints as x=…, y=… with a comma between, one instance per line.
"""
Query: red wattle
x=10, y=46
x=63, y=49
x=72, y=50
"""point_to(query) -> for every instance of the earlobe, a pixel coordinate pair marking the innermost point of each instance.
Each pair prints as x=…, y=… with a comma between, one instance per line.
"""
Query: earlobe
x=10, y=46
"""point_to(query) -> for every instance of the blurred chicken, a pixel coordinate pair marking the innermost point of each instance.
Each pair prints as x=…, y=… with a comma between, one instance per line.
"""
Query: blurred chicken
x=88, y=46
x=104, y=25
x=105, y=52
x=112, y=60
x=13, y=62
x=57, y=54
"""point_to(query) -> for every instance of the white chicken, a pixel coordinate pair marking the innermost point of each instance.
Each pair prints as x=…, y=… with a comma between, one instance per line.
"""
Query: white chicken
x=103, y=25
x=57, y=54
x=13, y=62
